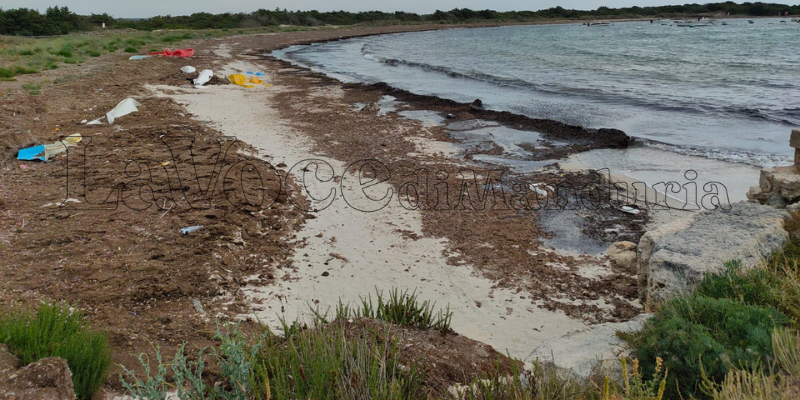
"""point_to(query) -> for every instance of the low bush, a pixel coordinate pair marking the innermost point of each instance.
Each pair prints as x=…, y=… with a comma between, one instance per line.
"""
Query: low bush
x=699, y=336
x=54, y=331
x=323, y=363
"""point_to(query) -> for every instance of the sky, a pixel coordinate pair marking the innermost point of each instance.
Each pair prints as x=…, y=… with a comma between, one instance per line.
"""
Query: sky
x=149, y=8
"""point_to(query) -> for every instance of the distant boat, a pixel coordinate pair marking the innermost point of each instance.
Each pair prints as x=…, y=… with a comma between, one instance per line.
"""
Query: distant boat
x=665, y=22
x=750, y=21
x=795, y=19
x=598, y=23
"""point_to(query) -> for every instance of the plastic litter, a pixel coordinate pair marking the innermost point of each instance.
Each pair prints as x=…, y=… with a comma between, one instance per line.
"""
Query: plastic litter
x=203, y=78
x=630, y=210
x=23, y=166
x=173, y=53
x=122, y=109
x=259, y=73
x=240, y=80
x=191, y=229
x=536, y=187
x=188, y=69
x=137, y=57
x=255, y=80
x=45, y=151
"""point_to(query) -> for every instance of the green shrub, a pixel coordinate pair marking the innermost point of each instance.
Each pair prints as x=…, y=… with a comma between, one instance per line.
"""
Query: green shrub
x=773, y=286
x=64, y=53
x=56, y=332
x=26, y=52
x=697, y=336
x=93, y=53
x=755, y=287
x=6, y=73
x=323, y=363
x=131, y=50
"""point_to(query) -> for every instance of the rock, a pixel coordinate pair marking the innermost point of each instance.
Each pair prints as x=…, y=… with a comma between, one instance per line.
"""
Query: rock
x=673, y=258
x=613, y=138
x=46, y=379
x=623, y=254
x=8, y=363
x=372, y=108
x=794, y=139
x=476, y=105
x=580, y=351
x=781, y=181
x=755, y=195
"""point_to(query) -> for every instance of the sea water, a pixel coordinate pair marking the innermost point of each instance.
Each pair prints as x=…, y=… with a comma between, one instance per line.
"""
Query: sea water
x=721, y=100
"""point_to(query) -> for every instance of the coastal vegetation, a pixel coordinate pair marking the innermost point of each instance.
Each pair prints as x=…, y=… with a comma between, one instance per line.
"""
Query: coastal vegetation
x=55, y=330
x=60, y=20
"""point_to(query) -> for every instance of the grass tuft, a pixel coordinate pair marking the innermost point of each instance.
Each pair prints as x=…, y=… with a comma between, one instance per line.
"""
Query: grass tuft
x=399, y=308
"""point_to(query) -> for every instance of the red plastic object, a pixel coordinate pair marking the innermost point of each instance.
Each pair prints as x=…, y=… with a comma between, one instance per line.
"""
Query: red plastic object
x=174, y=53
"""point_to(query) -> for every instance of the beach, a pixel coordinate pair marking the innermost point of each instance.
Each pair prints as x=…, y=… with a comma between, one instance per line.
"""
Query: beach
x=294, y=212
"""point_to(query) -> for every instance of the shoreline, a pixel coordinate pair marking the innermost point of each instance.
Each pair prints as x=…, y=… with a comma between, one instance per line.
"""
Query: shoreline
x=141, y=280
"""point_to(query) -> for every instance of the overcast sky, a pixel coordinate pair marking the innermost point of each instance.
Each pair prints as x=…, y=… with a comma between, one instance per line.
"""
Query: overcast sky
x=149, y=8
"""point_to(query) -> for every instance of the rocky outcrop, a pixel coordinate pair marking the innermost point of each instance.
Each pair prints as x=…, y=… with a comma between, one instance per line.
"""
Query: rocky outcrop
x=777, y=187
x=46, y=379
x=583, y=351
x=673, y=258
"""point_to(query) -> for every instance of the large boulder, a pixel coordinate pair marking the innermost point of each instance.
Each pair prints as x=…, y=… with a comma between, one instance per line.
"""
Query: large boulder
x=583, y=351
x=46, y=379
x=673, y=258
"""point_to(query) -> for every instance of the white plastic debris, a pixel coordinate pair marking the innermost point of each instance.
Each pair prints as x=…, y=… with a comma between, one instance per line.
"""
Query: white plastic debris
x=630, y=210
x=204, y=77
x=536, y=187
x=188, y=69
x=124, y=107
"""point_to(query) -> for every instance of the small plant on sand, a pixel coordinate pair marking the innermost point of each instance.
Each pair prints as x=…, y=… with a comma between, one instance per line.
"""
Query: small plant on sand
x=635, y=385
x=55, y=331
x=34, y=88
x=399, y=308
x=233, y=357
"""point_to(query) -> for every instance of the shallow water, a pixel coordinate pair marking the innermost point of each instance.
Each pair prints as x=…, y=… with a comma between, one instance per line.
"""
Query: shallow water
x=691, y=95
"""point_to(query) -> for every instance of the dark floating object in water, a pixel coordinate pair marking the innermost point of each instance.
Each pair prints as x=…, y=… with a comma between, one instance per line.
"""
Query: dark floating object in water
x=450, y=116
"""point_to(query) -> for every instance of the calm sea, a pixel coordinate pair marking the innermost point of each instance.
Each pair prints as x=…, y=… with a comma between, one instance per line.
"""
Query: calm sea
x=720, y=99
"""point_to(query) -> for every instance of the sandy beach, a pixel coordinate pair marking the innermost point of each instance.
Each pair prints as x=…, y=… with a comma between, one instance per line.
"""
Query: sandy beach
x=127, y=264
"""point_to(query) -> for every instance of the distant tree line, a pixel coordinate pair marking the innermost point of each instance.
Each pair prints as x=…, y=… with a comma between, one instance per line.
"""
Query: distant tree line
x=60, y=20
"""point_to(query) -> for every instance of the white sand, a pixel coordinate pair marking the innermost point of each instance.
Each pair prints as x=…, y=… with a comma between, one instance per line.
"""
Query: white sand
x=377, y=254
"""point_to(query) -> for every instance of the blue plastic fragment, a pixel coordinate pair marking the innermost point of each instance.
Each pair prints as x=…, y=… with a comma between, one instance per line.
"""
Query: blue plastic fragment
x=32, y=153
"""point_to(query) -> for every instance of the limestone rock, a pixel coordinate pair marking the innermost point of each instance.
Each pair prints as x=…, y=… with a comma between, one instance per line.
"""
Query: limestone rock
x=781, y=181
x=673, y=258
x=46, y=379
x=623, y=254
x=580, y=351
